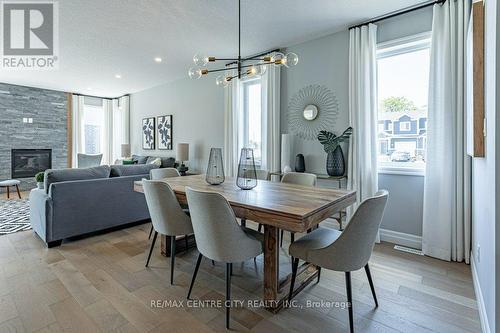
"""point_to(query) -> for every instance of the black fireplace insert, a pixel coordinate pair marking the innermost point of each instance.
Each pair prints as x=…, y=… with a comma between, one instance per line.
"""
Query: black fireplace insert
x=28, y=162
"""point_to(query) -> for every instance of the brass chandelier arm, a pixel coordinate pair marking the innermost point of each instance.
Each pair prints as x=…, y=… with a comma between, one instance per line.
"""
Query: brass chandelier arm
x=244, y=66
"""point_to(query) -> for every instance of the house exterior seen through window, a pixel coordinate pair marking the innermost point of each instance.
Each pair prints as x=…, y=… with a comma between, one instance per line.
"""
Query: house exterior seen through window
x=403, y=83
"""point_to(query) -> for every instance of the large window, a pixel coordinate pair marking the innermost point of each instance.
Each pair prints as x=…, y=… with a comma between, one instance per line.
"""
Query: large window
x=93, y=126
x=251, y=118
x=403, y=83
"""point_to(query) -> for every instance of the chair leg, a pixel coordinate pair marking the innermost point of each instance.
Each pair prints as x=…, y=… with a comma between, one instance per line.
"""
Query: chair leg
x=18, y=193
x=172, y=258
x=292, y=237
x=281, y=237
x=260, y=227
x=194, y=274
x=150, y=231
x=349, y=299
x=243, y=222
x=8, y=192
x=213, y=263
x=295, y=265
x=229, y=268
x=372, y=287
x=152, y=247
x=319, y=274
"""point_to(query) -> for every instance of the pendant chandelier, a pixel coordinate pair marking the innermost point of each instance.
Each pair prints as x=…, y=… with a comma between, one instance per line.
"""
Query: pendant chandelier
x=241, y=67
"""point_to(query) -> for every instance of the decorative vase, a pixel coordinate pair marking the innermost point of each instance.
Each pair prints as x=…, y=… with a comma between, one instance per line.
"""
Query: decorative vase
x=300, y=164
x=247, y=176
x=215, y=168
x=335, y=164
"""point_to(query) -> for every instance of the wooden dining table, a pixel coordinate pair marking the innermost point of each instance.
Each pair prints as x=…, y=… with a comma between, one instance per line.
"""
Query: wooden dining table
x=277, y=206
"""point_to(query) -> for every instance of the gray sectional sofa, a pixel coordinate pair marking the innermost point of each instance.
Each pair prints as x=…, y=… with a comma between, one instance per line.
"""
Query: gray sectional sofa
x=79, y=201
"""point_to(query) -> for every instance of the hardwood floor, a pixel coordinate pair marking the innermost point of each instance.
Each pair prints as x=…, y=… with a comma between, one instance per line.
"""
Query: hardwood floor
x=100, y=284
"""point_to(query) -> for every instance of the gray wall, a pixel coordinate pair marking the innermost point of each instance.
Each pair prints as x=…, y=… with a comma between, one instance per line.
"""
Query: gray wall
x=197, y=107
x=485, y=181
x=325, y=61
x=48, y=131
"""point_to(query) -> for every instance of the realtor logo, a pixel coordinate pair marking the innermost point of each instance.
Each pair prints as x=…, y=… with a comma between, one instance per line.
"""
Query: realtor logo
x=29, y=35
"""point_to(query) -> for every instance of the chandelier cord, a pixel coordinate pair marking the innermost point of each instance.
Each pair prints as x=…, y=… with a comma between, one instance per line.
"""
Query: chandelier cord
x=239, y=39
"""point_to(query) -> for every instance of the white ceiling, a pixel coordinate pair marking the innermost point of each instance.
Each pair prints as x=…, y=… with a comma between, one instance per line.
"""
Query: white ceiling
x=102, y=38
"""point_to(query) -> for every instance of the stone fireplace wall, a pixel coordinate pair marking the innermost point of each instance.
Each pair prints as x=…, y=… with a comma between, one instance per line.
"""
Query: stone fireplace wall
x=48, y=129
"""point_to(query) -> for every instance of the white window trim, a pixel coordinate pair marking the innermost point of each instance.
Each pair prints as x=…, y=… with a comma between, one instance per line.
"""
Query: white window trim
x=391, y=48
x=244, y=85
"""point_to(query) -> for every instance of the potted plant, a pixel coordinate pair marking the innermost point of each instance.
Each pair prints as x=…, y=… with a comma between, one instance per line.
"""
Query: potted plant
x=39, y=177
x=335, y=164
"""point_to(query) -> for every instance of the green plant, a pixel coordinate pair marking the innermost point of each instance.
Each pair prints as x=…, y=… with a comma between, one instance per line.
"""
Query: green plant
x=397, y=104
x=39, y=177
x=330, y=141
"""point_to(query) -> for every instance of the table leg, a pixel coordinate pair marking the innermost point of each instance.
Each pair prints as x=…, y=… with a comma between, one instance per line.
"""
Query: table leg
x=270, y=263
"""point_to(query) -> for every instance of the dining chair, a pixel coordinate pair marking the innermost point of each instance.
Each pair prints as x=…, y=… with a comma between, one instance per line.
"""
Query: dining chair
x=297, y=178
x=344, y=251
x=219, y=236
x=167, y=216
x=161, y=173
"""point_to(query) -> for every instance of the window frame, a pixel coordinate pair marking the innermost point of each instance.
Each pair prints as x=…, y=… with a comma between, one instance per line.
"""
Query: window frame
x=392, y=48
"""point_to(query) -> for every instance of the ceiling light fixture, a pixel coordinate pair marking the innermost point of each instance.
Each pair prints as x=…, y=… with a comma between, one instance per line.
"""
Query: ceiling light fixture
x=158, y=59
x=245, y=67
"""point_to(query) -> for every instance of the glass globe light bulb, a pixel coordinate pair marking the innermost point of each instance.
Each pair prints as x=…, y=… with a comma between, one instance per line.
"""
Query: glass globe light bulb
x=278, y=56
x=194, y=73
x=291, y=59
x=219, y=80
x=261, y=69
x=252, y=71
x=200, y=60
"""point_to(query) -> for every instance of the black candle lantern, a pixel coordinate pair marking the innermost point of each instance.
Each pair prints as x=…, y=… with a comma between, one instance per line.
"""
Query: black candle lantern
x=215, y=169
x=247, y=176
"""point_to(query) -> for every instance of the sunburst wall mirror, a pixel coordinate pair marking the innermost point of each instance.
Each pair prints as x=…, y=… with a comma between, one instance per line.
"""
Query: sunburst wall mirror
x=312, y=109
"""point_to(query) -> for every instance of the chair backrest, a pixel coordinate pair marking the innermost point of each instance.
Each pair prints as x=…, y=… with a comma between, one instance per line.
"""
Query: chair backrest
x=262, y=174
x=157, y=174
x=352, y=250
x=218, y=235
x=88, y=161
x=166, y=213
x=299, y=178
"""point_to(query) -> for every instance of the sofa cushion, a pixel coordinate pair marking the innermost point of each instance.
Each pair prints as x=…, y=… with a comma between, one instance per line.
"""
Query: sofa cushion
x=139, y=159
x=131, y=170
x=168, y=162
x=62, y=175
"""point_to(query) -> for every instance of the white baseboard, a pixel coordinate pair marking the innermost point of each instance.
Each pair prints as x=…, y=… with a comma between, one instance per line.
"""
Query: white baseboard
x=483, y=317
x=401, y=238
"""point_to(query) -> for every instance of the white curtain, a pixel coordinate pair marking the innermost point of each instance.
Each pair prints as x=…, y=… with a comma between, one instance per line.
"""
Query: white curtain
x=107, y=148
x=362, y=159
x=121, y=125
x=77, y=135
x=447, y=187
x=271, y=131
x=231, y=127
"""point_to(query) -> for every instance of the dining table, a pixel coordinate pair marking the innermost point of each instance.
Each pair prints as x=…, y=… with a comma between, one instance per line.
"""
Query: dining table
x=276, y=206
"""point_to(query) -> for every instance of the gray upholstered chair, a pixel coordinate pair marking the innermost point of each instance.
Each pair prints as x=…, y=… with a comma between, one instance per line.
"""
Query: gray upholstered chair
x=88, y=161
x=167, y=215
x=345, y=251
x=157, y=174
x=218, y=235
x=297, y=178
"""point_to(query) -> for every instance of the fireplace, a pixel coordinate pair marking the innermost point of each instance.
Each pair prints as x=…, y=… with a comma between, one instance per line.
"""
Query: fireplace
x=28, y=162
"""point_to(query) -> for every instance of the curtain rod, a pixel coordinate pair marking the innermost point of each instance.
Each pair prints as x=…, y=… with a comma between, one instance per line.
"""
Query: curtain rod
x=399, y=12
x=110, y=98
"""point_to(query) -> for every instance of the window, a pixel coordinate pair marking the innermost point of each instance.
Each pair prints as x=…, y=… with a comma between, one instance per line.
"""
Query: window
x=251, y=118
x=403, y=82
x=405, y=126
x=93, y=126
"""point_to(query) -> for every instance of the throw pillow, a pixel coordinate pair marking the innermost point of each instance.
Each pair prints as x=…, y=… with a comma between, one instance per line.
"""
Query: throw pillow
x=156, y=162
x=128, y=162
